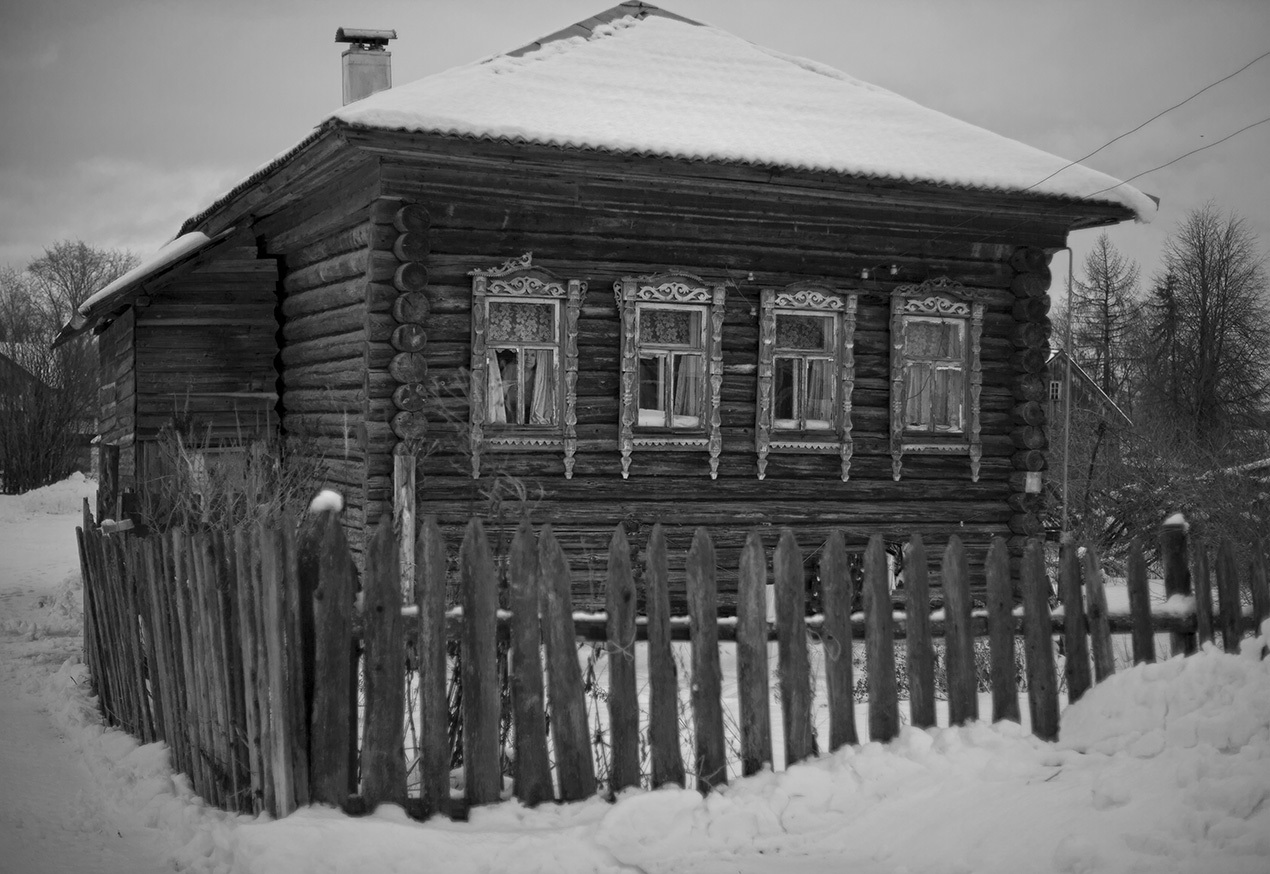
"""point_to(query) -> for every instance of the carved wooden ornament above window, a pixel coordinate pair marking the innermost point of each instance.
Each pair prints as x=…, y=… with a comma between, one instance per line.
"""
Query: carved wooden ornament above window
x=523, y=390
x=806, y=373
x=936, y=375
x=672, y=365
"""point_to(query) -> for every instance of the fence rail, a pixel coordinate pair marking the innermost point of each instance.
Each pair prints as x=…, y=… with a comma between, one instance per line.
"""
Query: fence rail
x=243, y=650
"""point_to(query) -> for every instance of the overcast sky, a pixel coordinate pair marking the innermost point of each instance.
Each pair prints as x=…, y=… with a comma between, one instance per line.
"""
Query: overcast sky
x=121, y=118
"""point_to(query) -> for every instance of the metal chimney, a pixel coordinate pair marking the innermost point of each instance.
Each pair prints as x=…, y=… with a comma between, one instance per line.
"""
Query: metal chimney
x=367, y=64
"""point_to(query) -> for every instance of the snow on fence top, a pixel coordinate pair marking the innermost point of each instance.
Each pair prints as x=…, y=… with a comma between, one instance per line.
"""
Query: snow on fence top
x=666, y=86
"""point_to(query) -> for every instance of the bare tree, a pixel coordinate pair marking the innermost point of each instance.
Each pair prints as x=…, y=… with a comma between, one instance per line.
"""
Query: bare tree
x=69, y=272
x=1208, y=320
x=1104, y=312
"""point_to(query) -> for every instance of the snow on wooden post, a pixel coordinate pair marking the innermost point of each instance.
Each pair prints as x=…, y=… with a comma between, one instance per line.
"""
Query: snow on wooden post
x=1140, y=605
x=917, y=638
x=963, y=680
x=1228, y=597
x=1075, y=638
x=707, y=708
x=434, y=714
x=884, y=708
x=1042, y=686
x=663, y=693
x=383, y=766
x=532, y=769
x=479, y=587
x=835, y=589
x=620, y=646
x=1177, y=576
x=1202, y=580
x=1005, y=690
x=751, y=657
x=570, y=737
x=1099, y=624
x=791, y=635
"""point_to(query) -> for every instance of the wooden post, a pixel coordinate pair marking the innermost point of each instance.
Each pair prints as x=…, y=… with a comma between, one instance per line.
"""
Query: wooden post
x=1099, y=625
x=297, y=607
x=1202, y=580
x=329, y=739
x=569, y=734
x=791, y=635
x=707, y=681
x=963, y=680
x=1257, y=582
x=383, y=766
x=1228, y=597
x=884, y=712
x=434, y=715
x=1005, y=689
x=1177, y=576
x=751, y=657
x=1140, y=605
x=835, y=586
x=918, y=639
x=404, y=479
x=620, y=646
x=1074, y=627
x=1042, y=688
x=663, y=694
x=108, y=481
x=532, y=769
x=479, y=587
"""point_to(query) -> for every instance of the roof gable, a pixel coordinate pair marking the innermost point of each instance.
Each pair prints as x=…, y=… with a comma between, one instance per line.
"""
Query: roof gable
x=638, y=80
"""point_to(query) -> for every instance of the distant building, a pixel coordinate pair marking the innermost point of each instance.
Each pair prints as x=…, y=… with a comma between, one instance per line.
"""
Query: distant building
x=1085, y=394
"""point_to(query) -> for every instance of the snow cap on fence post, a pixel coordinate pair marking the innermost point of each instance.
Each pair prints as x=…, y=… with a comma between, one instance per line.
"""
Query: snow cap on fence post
x=327, y=499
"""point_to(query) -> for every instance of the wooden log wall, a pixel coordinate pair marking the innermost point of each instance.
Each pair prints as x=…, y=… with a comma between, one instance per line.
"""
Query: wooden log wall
x=118, y=393
x=587, y=218
x=205, y=349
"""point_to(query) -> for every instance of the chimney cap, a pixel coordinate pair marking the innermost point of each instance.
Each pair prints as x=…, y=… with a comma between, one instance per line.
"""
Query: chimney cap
x=364, y=36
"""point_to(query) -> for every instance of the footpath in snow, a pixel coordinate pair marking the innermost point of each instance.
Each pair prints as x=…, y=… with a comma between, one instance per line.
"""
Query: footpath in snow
x=1164, y=768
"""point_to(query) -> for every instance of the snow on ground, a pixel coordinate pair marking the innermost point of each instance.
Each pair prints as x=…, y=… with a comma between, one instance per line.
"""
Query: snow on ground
x=1164, y=768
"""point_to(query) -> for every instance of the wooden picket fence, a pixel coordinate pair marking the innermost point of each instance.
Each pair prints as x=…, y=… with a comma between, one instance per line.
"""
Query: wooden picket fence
x=243, y=651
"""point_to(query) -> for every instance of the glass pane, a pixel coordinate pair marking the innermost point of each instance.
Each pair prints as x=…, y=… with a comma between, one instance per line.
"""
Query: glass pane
x=541, y=385
x=917, y=391
x=804, y=332
x=652, y=410
x=784, y=407
x=689, y=391
x=948, y=399
x=521, y=322
x=928, y=338
x=818, y=390
x=677, y=327
x=504, y=385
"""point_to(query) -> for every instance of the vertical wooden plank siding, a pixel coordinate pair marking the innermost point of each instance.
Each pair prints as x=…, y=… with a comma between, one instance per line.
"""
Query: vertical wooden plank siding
x=478, y=585
x=791, y=635
x=884, y=712
x=332, y=672
x=1005, y=689
x=920, y=650
x=1228, y=597
x=963, y=682
x=1202, y=580
x=707, y=709
x=531, y=767
x=836, y=591
x=1042, y=686
x=434, y=744
x=1140, y=605
x=1177, y=576
x=1075, y=638
x=751, y=657
x=1099, y=624
x=663, y=693
x=620, y=646
x=383, y=766
x=570, y=738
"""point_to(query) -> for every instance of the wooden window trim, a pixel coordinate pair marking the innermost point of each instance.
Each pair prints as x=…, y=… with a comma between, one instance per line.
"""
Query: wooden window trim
x=945, y=299
x=519, y=279
x=812, y=299
x=669, y=289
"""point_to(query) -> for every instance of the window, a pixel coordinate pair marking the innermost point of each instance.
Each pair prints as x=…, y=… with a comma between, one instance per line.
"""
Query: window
x=936, y=379
x=524, y=360
x=672, y=365
x=1056, y=389
x=806, y=373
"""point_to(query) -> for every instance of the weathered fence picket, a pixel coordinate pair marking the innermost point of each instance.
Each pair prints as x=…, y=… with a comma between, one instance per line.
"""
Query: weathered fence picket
x=963, y=685
x=1177, y=576
x=1139, y=604
x=836, y=592
x=478, y=586
x=791, y=636
x=383, y=770
x=751, y=657
x=1005, y=689
x=620, y=647
x=1099, y=624
x=919, y=643
x=1075, y=626
x=1202, y=580
x=532, y=768
x=663, y=692
x=434, y=743
x=1229, y=608
x=884, y=707
x=707, y=681
x=1042, y=687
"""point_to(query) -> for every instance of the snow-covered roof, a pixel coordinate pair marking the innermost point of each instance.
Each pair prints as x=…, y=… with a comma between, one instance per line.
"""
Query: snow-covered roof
x=655, y=84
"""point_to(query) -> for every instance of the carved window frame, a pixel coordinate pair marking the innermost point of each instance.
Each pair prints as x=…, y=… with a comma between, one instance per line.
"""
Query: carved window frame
x=670, y=290
x=519, y=279
x=812, y=299
x=944, y=299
